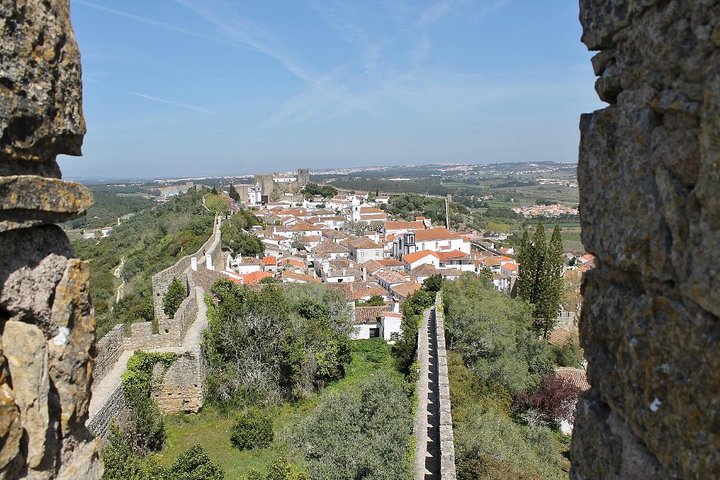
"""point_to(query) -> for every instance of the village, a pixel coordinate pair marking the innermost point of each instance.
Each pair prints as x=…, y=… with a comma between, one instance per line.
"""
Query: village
x=349, y=243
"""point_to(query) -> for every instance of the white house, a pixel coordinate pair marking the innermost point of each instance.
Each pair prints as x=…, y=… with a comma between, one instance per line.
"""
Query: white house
x=363, y=249
x=440, y=240
x=424, y=257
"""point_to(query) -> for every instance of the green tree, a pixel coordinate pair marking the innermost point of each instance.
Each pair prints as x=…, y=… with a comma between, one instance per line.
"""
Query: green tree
x=433, y=283
x=313, y=189
x=217, y=203
x=252, y=429
x=233, y=193
x=174, y=296
x=359, y=434
x=494, y=335
x=194, y=464
x=540, y=277
x=245, y=244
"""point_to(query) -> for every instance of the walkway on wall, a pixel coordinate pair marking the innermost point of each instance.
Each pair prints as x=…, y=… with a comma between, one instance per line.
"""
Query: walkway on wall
x=427, y=423
x=110, y=383
x=434, y=442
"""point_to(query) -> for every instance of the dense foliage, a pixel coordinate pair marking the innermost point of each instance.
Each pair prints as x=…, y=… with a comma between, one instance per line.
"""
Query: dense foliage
x=137, y=249
x=359, y=434
x=412, y=310
x=540, y=277
x=217, y=203
x=109, y=204
x=313, y=189
x=274, y=344
x=570, y=354
x=552, y=402
x=497, y=359
x=237, y=239
x=252, y=429
x=174, y=296
x=122, y=463
x=494, y=335
x=145, y=431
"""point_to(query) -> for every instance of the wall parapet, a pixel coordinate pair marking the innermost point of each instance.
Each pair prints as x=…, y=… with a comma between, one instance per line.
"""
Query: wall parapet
x=114, y=410
x=447, y=438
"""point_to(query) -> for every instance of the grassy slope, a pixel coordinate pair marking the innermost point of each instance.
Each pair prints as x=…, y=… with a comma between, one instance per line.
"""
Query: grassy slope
x=211, y=428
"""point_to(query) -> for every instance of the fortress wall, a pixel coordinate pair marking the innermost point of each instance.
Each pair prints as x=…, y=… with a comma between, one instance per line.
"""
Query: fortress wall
x=182, y=386
x=649, y=177
x=447, y=439
x=161, y=280
x=114, y=410
x=109, y=349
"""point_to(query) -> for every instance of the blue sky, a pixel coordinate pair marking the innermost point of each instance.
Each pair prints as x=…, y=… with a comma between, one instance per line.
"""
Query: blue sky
x=229, y=87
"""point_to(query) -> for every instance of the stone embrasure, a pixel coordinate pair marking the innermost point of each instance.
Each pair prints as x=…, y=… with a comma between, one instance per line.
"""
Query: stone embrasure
x=47, y=328
x=649, y=177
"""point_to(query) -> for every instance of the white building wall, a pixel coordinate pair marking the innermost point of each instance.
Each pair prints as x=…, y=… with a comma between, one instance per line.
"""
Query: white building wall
x=390, y=325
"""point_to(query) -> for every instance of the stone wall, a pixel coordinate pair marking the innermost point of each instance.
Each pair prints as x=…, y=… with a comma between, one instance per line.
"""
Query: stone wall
x=447, y=439
x=46, y=320
x=161, y=280
x=109, y=348
x=649, y=177
x=114, y=410
x=181, y=388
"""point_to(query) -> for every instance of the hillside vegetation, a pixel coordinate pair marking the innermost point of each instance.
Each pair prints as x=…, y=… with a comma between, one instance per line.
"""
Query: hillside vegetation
x=110, y=203
x=143, y=245
x=495, y=362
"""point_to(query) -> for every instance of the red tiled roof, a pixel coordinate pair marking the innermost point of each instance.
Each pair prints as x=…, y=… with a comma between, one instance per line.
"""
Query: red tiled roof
x=390, y=262
x=414, y=257
x=254, y=277
x=300, y=277
x=452, y=255
x=406, y=289
x=424, y=270
x=577, y=376
x=269, y=261
x=402, y=225
x=435, y=234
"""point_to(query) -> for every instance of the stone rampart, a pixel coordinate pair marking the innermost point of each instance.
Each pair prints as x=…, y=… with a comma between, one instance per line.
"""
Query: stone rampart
x=161, y=280
x=649, y=177
x=114, y=410
x=447, y=442
x=182, y=385
x=109, y=348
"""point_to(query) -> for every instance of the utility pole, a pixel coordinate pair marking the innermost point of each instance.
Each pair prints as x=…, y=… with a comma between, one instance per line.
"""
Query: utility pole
x=448, y=199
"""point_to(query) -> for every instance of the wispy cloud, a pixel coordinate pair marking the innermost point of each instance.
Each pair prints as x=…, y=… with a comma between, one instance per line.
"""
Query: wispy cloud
x=194, y=108
x=149, y=21
x=240, y=31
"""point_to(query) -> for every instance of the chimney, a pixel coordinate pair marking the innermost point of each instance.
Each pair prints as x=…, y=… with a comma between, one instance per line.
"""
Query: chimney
x=193, y=263
x=208, y=262
x=396, y=307
x=364, y=274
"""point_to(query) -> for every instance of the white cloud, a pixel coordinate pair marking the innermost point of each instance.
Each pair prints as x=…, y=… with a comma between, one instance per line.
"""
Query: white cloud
x=194, y=108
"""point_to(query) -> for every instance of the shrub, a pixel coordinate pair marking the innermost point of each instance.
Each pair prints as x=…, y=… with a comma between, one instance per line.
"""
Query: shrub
x=554, y=400
x=122, y=462
x=568, y=355
x=253, y=429
x=195, y=464
x=174, y=296
x=146, y=431
x=360, y=433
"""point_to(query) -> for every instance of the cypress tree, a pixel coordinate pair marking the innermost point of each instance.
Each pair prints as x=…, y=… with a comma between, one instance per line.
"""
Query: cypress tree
x=540, y=277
